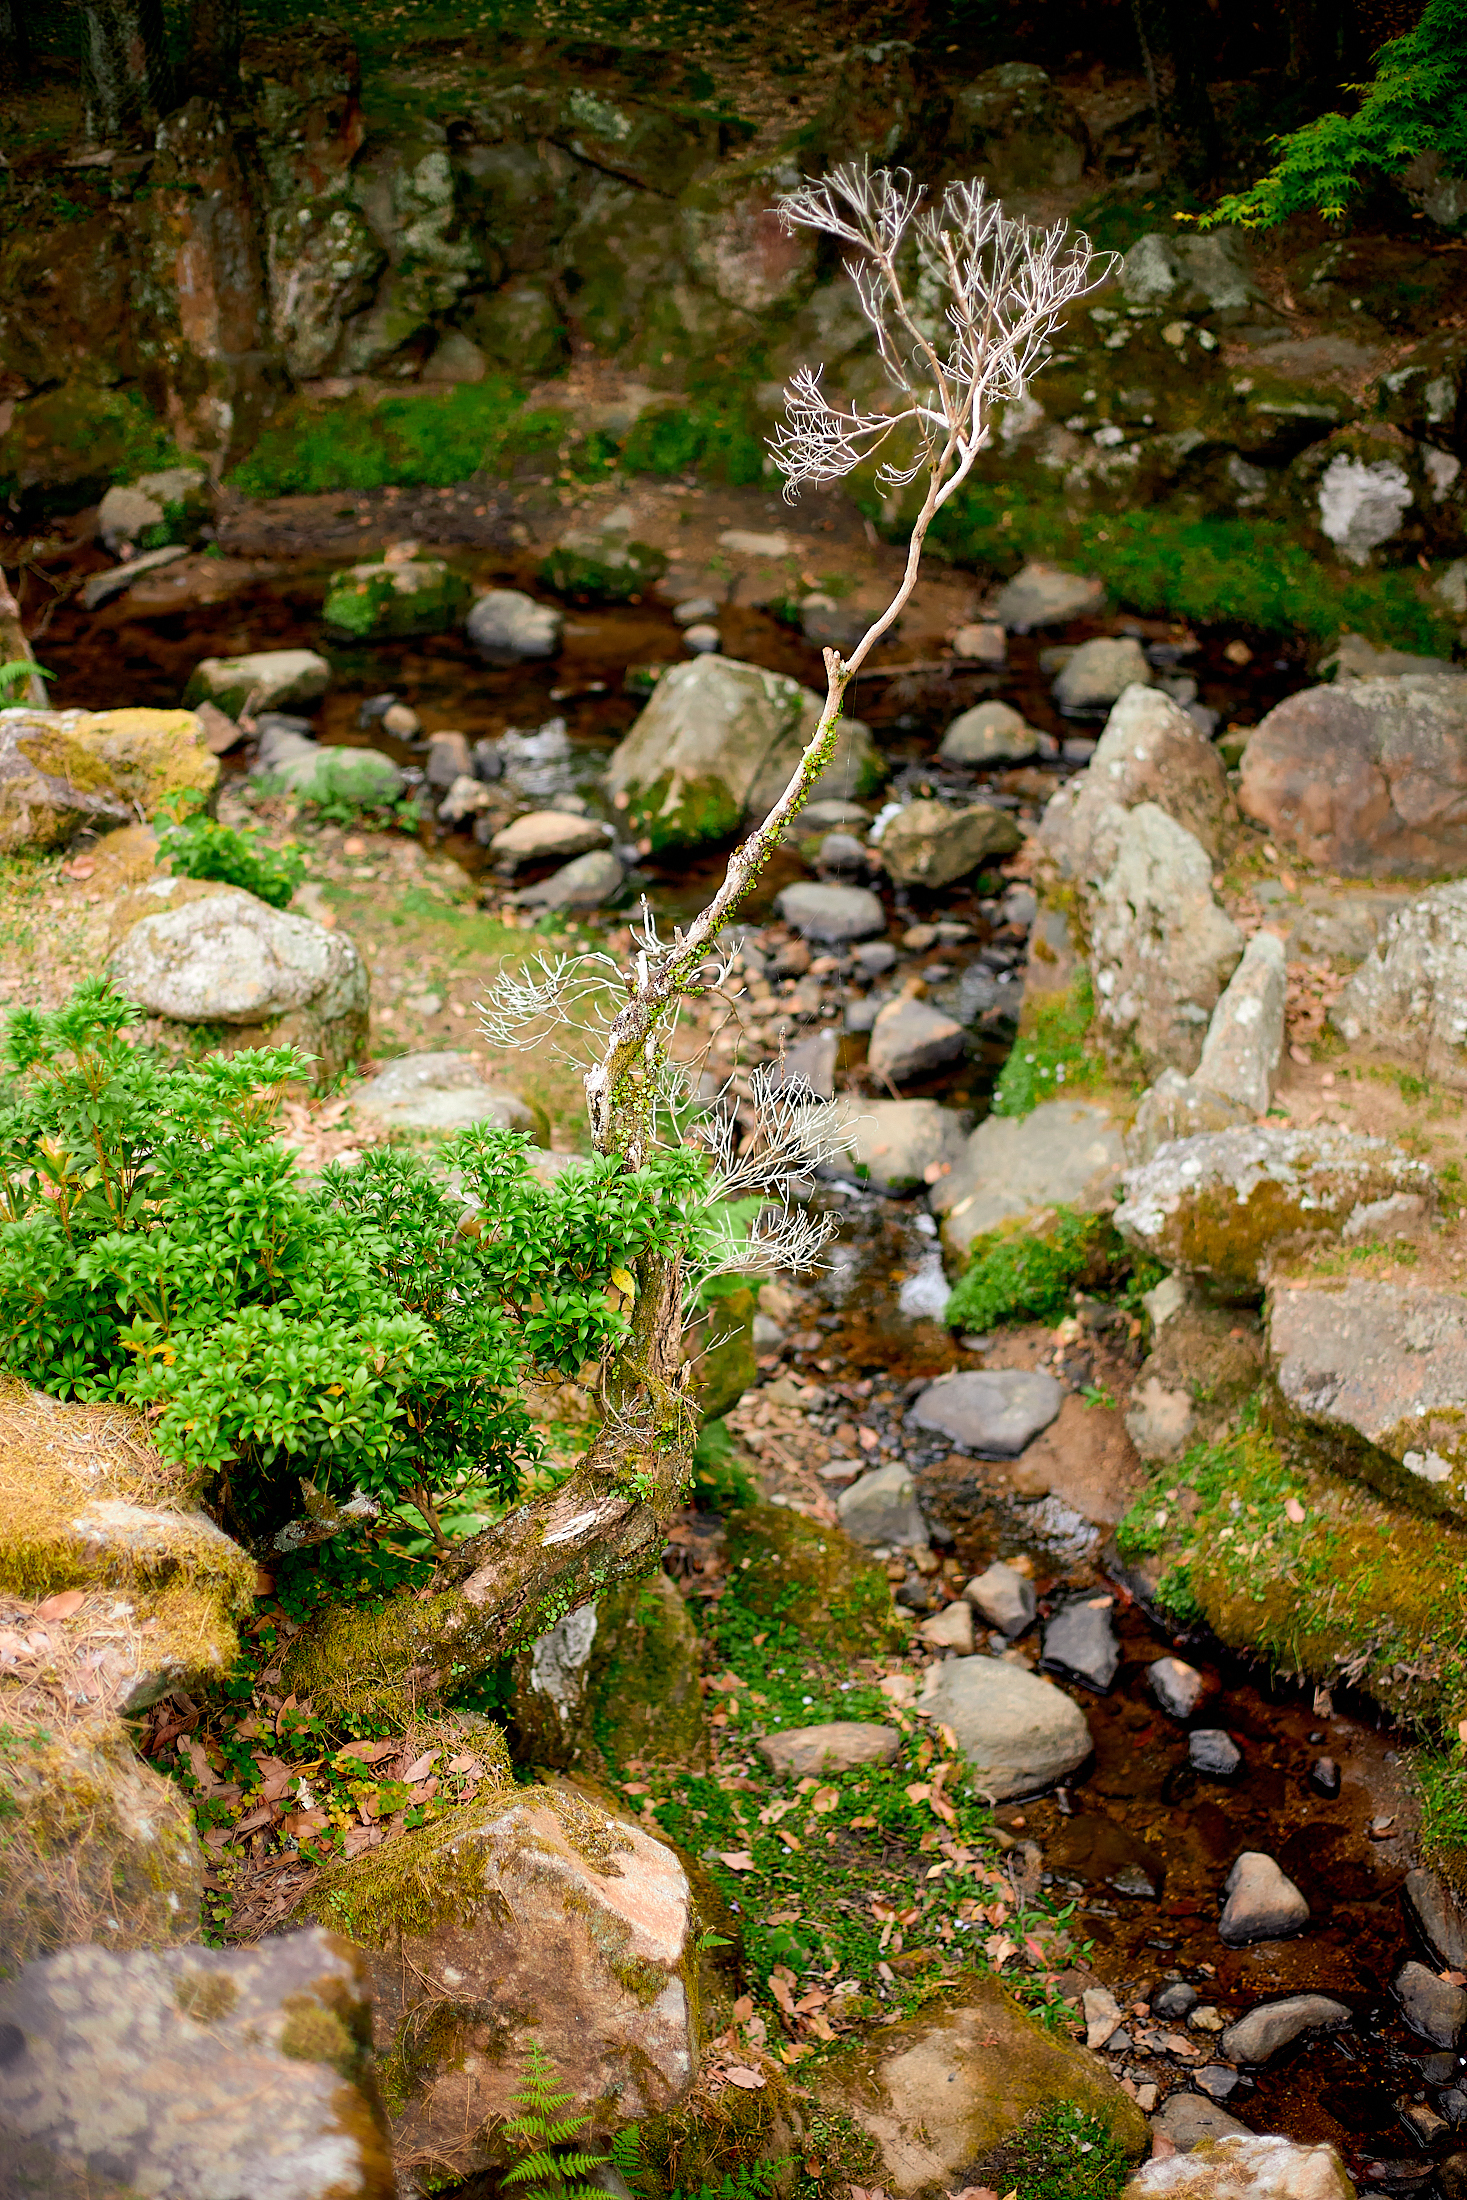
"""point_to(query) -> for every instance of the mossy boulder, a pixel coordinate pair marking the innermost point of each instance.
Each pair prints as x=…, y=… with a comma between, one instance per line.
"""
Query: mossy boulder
x=720, y=1345
x=606, y=566
x=62, y=769
x=86, y=1503
x=715, y=744
x=614, y=1683
x=529, y=1914
x=398, y=598
x=94, y=1845
x=812, y=1578
x=259, y=680
x=942, y=2093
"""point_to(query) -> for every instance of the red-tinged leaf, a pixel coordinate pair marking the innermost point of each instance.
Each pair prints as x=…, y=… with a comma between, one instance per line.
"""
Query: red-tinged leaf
x=64, y=1605
x=370, y=1753
x=782, y=1995
x=748, y=2081
x=737, y=1860
x=420, y=1767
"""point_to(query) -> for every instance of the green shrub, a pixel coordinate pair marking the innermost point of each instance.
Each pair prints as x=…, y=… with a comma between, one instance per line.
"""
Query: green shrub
x=1050, y=1055
x=159, y=1247
x=195, y=845
x=1018, y=1276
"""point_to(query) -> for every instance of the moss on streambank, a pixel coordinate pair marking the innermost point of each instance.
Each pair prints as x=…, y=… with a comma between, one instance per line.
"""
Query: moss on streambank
x=1322, y=1579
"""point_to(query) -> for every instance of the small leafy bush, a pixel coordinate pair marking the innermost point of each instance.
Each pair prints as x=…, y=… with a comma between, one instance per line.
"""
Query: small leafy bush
x=1016, y=1276
x=195, y=845
x=158, y=1246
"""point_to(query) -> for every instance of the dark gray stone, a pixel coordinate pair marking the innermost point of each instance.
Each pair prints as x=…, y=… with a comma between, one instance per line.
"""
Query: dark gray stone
x=1081, y=1640
x=831, y=913
x=1175, y=2000
x=1178, y=1687
x=1213, y=1752
x=1217, y=2080
x=1004, y=1597
x=1274, y=2025
x=449, y=758
x=1324, y=1776
x=1439, y=1916
x=1190, y=2120
x=1435, y=2010
x=992, y=1413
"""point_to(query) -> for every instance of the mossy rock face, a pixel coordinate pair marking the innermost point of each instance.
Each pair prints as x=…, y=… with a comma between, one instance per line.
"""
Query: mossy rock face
x=602, y=568
x=613, y=1684
x=395, y=599
x=527, y=1915
x=720, y=1345
x=812, y=1578
x=94, y=1845
x=85, y=1502
x=942, y=2093
x=60, y=770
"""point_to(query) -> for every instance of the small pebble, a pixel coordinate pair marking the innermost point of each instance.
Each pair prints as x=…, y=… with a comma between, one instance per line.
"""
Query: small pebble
x=1175, y=1999
x=1206, y=2019
x=1324, y=1776
x=875, y=957
x=697, y=611
x=401, y=721
x=703, y=641
x=1217, y=2080
x=1213, y=1752
x=919, y=937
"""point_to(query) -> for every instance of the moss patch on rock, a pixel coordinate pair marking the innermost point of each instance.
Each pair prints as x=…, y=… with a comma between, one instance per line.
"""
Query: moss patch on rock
x=813, y=1579
x=1031, y=1270
x=721, y=1346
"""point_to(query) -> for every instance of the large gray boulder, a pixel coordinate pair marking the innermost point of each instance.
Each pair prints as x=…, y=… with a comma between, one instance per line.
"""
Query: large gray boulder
x=913, y=1039
x=899, y=1145
x=586, y=883
x=61, y=770
x=441, y=1092
x=1365, y=777
x=1047, y=595
x=216, y=955
x=508, y=627
x=1019, y=1733
x=1274, y=2025
x=1408, y=999
x=881, y=1510
x=1150, y=751
x=989, y=733
x=834, y=914
x=1238, y=2165
x=1161, y=946
x=547, y=836
x=1219, y=1207
x=193, y=2070
x=1180, y=1107
x=1376, y=1373
x=1064, y=1153
x=1245, y=1039
x=316, y=772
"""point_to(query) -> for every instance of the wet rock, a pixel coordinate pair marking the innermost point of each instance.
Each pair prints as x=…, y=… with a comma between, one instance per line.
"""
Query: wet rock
x=1434, y=2009
x=1217, y=1207
x=833, y=914
x=1379, y=1370
x=1099, y=673
x=1408, y=999
x=1245, y=1039
x=1064, y=1152
x=950, y=1629
x=602, y=565
x=1190, y=2120
x=712, y=730
x=61, y=770
x=1217, y=2081
x=589, y=882
x=467, y=798
x=1149, y=752
x=1243, y=2167
x=1175, y=2000
x=912, y=1039
x=1180, y=1107
x=1018, y=1732
x=488, y=760
x=1261, y=1903
x=1047, y=595
x=929, y=844
x=527, y=1914
x=1081, y=1640
x=395, y=598
x=1004, y=1597
x=167, y=507
x=1324, y=1776
x=881, y=1510
x=1274, y=2025
x=1365, y=777
x=449, y=758
x=547, y=836
x=1439, y=1916
x=1161, y=946
x=982, y=643
x=509, y=628
x=266, y=679
x=292, y=764
x=993, y=1413
x=990, y=733
x=1213, y=1752
x=100, y=588
x=900, y=1144
x=442, y=1092
x=1178, y=1687
x=841, y=1745
x=194, y=2070
x=841, y=852
x=219, y=956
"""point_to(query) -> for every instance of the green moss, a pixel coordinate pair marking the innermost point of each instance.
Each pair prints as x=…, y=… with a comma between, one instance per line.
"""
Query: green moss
x=354, y=443
x=73, y=442
x=721, y=1482
x=1021, y=1274
x=812, y=1579
x=721, y=1346
x=1061, y=2153
x=644, y=1691
x=1051, y=1054
x=206, y=1996
x=312, y=2033
x=391, y=602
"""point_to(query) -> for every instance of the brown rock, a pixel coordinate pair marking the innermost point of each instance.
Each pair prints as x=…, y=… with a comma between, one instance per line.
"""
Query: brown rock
x=530, y=1914
x=191, y=2071
x=1367, y=778
x=805, y=1752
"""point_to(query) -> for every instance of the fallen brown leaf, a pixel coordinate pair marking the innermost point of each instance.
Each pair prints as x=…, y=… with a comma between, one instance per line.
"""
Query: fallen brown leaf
x=63, y=1605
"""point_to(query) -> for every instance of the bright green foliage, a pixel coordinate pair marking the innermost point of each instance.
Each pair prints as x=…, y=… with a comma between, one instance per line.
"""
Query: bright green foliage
x=1441, y=1783
x=546, y=2164
x=1415, y=103
x=1050, y=1056
x=195, y=845
x=746, y=2181
x=1020, y=1276
x=355, y=444
x=1063, y=2154
x=17, y=672
x=158, y=1246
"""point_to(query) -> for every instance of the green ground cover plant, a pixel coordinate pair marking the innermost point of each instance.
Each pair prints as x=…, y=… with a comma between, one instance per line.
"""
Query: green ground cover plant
x=195, y=845
x=1026, y=1275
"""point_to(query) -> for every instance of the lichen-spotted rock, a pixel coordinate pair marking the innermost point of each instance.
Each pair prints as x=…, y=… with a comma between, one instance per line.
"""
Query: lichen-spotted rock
x=1376, y=1375
x=62, y=769
x=529, y=1915
x=1150, y=752
x=1244, y=2166
x=1408, y=999
x=1220, y=1206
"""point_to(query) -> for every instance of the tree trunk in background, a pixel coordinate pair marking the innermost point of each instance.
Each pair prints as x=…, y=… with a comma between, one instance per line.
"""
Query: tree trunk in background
x=212, y=68
x=124, y=67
